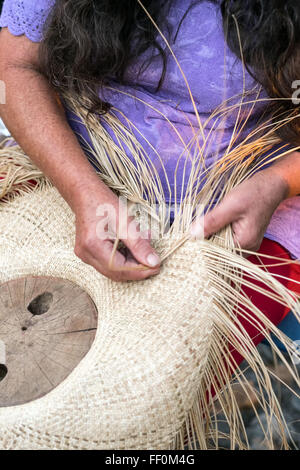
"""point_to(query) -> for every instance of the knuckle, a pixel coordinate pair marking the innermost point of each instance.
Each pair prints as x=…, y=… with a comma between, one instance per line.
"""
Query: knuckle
x=138, y=243
x=252, y=238
x=80, y=252
x=249, y=240
x=212, y=221
x=87, y=243
x=84, y=246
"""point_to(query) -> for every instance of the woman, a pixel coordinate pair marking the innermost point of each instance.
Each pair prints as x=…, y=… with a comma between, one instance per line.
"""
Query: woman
x=77, y=46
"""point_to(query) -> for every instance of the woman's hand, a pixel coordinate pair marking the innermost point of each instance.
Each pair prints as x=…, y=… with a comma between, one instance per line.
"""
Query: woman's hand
x=248, y=208
x=97, y=222
x=39, y=125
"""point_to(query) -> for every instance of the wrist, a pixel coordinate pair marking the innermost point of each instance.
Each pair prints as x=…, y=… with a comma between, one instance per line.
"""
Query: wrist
x=276, y=178
x=288, y=168
x=77, y=189
x=89, y=193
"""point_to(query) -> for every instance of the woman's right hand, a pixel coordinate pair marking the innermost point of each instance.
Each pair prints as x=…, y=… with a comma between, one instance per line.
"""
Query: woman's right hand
x=39, y=125
x=94, y=243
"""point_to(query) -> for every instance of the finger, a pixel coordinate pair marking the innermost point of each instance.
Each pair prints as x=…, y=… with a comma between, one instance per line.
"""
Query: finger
x=247, y=243
x=197, y=228
x=246, y=237
x=120, y=269
x=140, y=246
x=218, y=218
x=119, y=275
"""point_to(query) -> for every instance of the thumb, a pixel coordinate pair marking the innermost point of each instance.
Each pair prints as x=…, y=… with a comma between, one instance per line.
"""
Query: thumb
x=213, y=221
x=140, y=247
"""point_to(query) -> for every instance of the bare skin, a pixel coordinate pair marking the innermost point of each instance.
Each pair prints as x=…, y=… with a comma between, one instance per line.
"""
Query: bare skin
x=37, y=122
x=248, y=208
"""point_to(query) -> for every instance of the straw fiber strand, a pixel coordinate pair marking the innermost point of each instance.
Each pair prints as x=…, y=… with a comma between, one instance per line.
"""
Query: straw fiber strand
x=125, y=393
x=163, y=344
x=144, y=382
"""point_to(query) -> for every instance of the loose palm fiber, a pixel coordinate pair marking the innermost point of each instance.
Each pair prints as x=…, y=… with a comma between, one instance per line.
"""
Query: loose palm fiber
x=162, y=344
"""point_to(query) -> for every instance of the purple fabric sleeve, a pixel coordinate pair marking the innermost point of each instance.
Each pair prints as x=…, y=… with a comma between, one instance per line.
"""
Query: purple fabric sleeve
x=26, y=17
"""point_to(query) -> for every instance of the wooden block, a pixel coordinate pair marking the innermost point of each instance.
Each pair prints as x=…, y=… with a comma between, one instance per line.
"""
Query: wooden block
x=47, y=325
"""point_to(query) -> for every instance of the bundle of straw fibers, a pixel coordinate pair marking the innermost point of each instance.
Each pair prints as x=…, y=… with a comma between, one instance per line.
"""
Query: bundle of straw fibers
x=160, y=368
x=136, y=384
x=163, y=344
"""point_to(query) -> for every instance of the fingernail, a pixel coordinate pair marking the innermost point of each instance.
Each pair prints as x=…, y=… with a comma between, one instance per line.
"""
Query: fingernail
x=153, y=260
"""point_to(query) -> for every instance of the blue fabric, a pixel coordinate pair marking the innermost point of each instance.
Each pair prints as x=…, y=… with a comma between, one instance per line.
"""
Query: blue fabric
x=290, y=327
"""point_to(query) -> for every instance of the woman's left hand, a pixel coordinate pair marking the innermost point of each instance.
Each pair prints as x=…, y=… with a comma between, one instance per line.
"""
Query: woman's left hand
x=248, y=208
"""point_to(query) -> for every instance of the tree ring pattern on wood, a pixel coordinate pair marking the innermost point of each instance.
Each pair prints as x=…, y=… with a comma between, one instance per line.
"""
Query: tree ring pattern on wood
x=47, y=325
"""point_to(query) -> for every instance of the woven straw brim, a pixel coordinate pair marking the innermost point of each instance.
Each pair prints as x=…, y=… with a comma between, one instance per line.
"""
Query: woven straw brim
x=162, y=344
x=136, y=385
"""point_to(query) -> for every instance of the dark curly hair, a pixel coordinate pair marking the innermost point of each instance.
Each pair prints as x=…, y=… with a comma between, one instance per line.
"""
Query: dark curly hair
x=88, y=42
x=269, y=42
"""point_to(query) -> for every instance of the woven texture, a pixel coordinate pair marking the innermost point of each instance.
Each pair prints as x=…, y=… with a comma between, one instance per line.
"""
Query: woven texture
x=135, y=386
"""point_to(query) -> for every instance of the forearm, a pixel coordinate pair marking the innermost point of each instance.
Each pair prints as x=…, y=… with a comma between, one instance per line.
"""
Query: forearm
x=37, y=122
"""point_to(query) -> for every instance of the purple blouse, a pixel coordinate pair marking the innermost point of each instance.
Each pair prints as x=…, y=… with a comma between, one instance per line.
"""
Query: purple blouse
x=214, y=74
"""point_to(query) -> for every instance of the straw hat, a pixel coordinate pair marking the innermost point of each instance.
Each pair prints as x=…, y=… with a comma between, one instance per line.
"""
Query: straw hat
x=139, y=379
x=161, y=345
